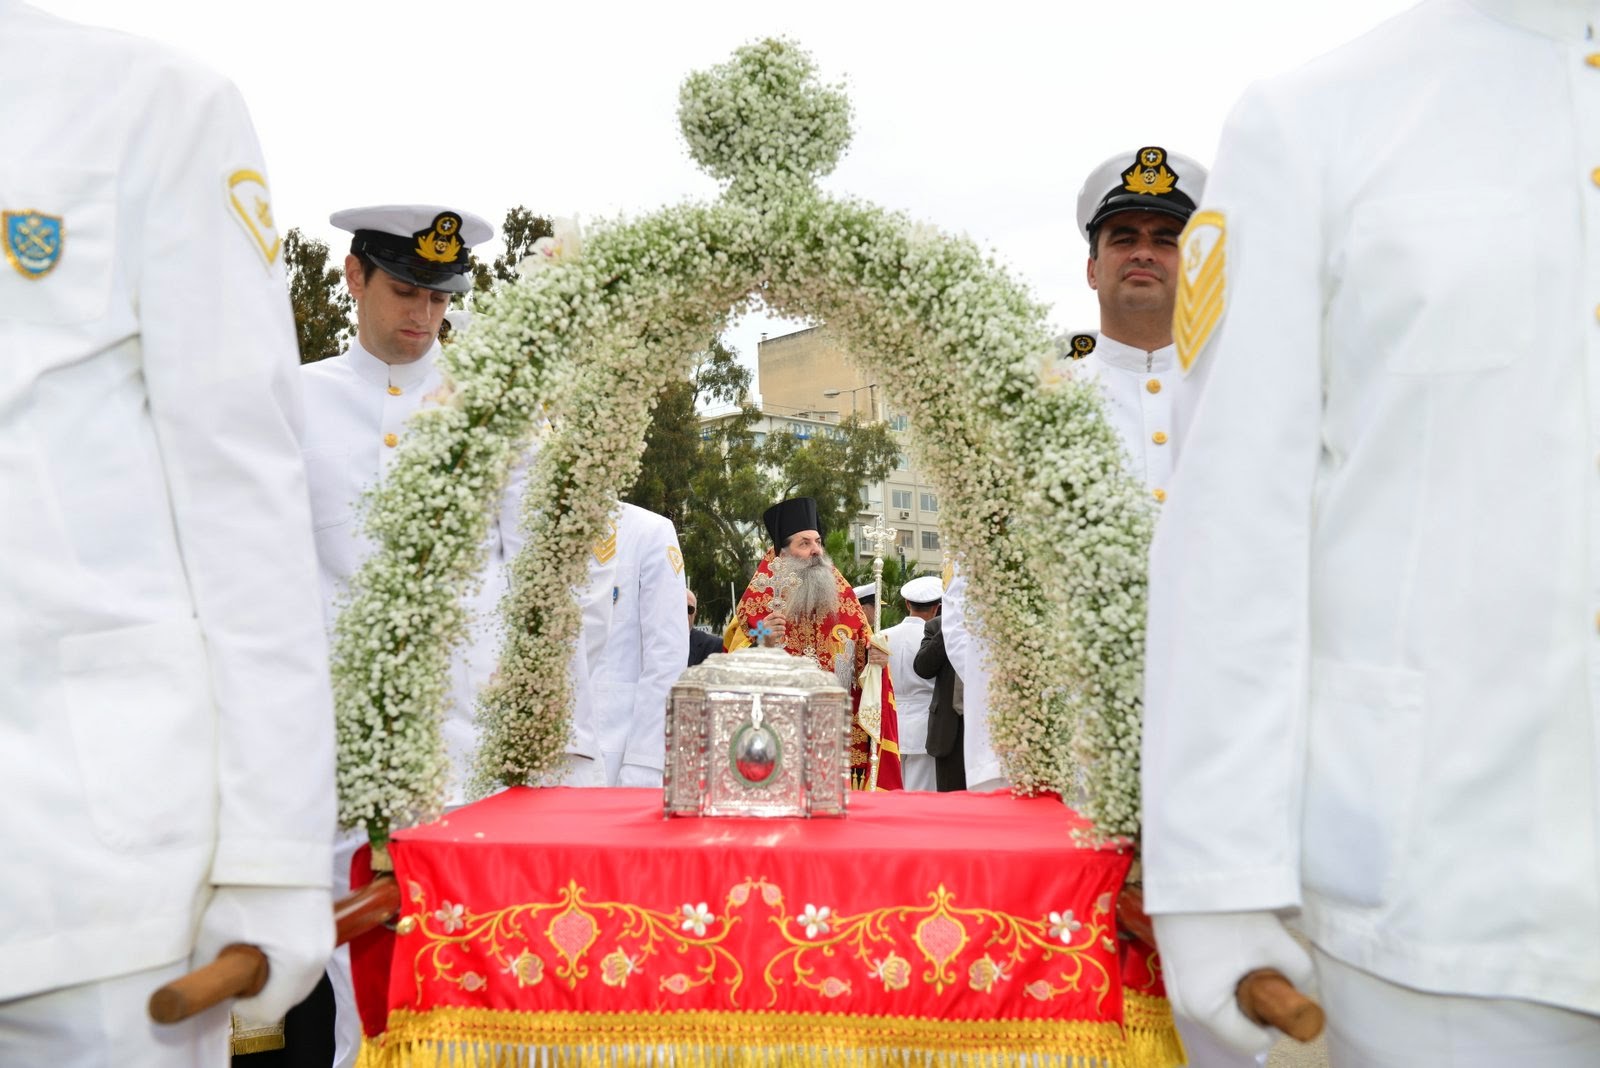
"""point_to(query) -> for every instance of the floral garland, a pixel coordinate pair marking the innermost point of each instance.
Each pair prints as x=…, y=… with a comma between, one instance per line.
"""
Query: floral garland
x=1051, y=532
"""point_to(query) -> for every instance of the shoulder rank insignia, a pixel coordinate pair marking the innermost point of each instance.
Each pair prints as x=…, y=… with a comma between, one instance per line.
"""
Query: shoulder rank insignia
x=605, y=550
x=441, y=243
x=1149, y=173
x=33, y=241
x=675, y=558
x=1202, y=285
x=1081, y=346
x=247, y=198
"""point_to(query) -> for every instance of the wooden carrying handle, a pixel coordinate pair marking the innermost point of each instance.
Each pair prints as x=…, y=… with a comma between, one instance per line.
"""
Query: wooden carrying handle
x=238, y=972
x=1131, y=914
x=1266, y=997
x=376, y=903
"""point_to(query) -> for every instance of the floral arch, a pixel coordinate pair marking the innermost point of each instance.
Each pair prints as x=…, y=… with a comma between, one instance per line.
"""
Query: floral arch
x=1051, y=533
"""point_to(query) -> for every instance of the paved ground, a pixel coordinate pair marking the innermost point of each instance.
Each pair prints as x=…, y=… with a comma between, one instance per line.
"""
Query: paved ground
x=1291, y=1054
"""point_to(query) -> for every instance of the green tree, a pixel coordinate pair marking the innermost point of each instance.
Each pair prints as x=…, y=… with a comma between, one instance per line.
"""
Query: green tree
x=322, y=306
x=519, y=232
x=707, y=479
x=713, y=479
x=857, y=571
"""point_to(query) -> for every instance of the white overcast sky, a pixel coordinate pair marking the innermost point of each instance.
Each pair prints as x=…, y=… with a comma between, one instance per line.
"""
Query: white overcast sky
x=980, y=118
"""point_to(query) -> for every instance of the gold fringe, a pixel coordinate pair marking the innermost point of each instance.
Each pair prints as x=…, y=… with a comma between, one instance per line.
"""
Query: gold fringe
x=1152, y=1036
x=255, y=1039
x=485, y=1038
x=368, y=1055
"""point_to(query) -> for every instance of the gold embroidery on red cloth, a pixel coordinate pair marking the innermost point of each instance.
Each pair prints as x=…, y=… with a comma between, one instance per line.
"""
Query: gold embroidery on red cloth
x=514, y=938
x=940, y=931
x=823, y=951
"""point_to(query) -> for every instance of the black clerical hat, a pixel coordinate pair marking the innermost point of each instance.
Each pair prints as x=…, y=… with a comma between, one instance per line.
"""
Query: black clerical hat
x=787, y=518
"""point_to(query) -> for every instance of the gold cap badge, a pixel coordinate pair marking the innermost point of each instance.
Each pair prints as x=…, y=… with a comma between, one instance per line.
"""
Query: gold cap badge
x=441, y=243
x=1149, y=174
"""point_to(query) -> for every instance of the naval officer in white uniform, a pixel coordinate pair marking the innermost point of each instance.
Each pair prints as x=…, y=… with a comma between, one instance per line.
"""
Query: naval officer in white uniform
x=166, y=730
x=1131, y=210
x=637, y=645
x=405, y=262
x=1375, y=586
x=913, y=694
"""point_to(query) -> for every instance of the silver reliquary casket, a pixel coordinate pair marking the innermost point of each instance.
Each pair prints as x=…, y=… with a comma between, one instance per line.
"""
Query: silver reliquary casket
x=757, y=733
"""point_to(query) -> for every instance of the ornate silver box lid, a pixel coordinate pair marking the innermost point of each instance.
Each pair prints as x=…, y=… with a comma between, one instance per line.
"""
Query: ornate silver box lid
x=757, y=733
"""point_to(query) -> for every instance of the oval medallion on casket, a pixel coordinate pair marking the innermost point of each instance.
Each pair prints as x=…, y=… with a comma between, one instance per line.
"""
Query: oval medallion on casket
x=756, y=753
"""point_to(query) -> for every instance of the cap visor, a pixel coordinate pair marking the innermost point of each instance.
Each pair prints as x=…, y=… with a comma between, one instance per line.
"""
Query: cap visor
x=1138, y=202
x=442, y=281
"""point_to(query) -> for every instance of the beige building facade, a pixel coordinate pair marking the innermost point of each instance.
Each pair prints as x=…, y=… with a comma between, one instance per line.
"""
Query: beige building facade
x=808, y=385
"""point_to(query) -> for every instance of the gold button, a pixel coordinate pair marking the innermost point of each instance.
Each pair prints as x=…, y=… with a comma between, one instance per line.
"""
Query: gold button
x=394, y=391
x=391, y=440
x=1593, y=59
x=1159, y=437
x=1154, y=385
x=1597, y=311
x=1597, y=621
x=1159, y=494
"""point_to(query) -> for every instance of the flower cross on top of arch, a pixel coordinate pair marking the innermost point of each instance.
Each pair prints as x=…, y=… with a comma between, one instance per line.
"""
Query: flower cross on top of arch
x=1050, y=532
x=762, y=122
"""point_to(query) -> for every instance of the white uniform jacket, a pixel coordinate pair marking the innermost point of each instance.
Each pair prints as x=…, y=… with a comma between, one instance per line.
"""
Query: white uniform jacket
x=165, y=720
x=356, y=411
x=912, y=693
x=969, y=655
x=636, y=629
x=1374, y=636
x=1137, y=387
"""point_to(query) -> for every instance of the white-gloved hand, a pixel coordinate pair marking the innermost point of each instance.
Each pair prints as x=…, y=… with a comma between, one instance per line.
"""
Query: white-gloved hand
x=1205, y=954
x=292, y=925
x=638, y=775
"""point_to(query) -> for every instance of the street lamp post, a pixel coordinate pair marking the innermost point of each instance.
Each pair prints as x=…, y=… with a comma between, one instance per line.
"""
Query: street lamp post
x=872, y=397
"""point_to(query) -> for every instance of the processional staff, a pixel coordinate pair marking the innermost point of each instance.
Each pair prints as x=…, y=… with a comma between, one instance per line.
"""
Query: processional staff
x=879, y=537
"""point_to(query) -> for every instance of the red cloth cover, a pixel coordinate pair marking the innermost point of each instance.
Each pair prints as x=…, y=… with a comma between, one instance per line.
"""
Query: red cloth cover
x=952, y=922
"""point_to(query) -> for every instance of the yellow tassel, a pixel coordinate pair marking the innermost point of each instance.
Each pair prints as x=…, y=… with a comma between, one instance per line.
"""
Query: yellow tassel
x=257, y=1040
x=1151, y=1036
x=484, y=1038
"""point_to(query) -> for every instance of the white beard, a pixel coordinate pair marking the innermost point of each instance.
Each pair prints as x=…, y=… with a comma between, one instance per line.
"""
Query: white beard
x=809, y=589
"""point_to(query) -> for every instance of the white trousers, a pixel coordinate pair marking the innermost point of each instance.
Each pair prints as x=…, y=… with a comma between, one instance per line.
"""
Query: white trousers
x=107, y=1025
x=1373, y=1023
x=918, y=772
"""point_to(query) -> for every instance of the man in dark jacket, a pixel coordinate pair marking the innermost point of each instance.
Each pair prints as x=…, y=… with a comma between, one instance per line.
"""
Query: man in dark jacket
x=701, y=644
x=945, y=726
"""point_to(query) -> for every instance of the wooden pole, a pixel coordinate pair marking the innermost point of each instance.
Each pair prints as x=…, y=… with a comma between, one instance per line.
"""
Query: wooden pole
x=1265, y=996
x=240, y=971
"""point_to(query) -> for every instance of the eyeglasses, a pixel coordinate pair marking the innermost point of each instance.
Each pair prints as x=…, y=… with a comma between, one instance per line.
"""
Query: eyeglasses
x=691, y=610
